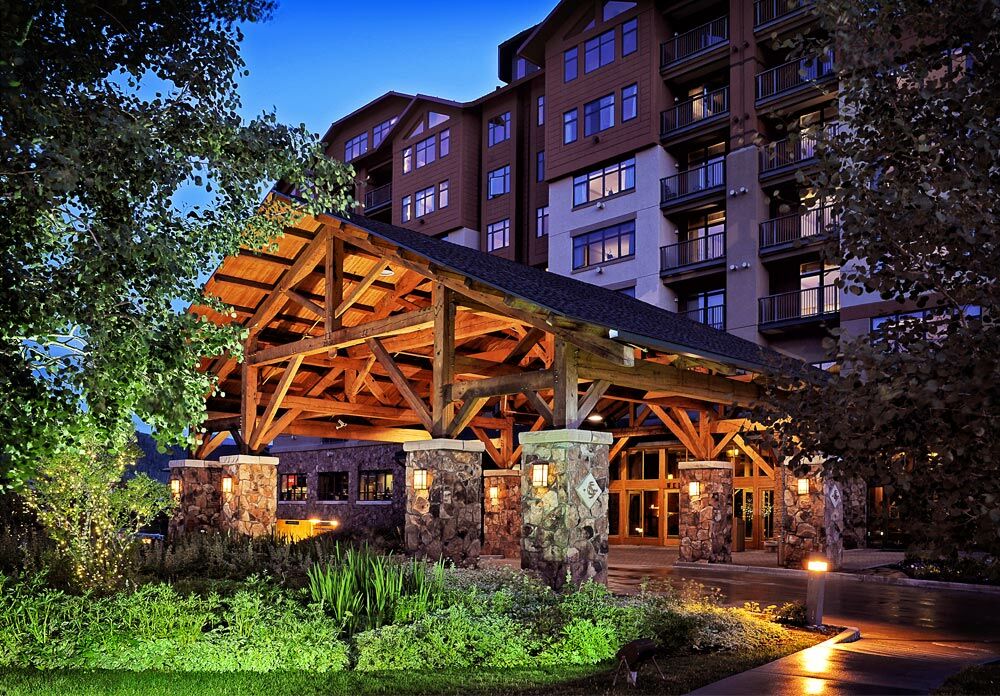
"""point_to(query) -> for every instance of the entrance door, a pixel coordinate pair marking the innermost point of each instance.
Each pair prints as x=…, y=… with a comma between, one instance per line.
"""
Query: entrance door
x=644, y=516
x=753, y=517
x=672, y=500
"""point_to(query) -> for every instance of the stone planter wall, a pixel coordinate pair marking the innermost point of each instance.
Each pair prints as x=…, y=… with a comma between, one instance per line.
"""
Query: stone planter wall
x=566, y=521
x=810, y=523
x=252, y=507
x=502, y=519
x=446, y=519
x=706, y=520
x=200, y=506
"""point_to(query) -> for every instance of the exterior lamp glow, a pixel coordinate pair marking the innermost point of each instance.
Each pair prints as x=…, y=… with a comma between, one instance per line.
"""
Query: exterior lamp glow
x=595, y=417
x=539, y=475
x=818, y=566
x=804, y=486
x=175, y=487
x=694, y=489
x=494, y=494
x=420, y=479
x=815, y=589
x=227, y=484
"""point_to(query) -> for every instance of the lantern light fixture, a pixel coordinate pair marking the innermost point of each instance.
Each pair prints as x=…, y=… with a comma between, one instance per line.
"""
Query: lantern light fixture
x=175, y=487
x=227, y=484
x=420, y=479
x=539, y=475
x=803, y=486
x=494, y=493
x=694, y=489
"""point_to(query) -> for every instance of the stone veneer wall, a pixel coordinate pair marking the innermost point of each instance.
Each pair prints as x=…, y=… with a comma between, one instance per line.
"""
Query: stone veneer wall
x=351, y=514
x=446, y=519
x=855, y=513
x=200, y=505
x=706, y=522
x=502, y=518
x=252, y=506
x=809, y=523
x=562, y=534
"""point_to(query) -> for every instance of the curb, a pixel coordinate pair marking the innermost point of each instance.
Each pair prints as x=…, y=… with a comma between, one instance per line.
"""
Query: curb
x=853, y=577
x=848, y=634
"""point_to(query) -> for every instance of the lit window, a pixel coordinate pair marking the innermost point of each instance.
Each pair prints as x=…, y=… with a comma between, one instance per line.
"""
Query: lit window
x=406, y=212
x=540, y=111
x=569, y=126
x=445, y=146
x=332, y=485
x=293, y=487
x=498, y=182
x=599, y=115
x=355, y=147
x=540, y=166
x=599, y=51
x=542, y=221
x=381, y=130
x=607, y=244
x=498, y=235
x=570, y=64
x=375, y=485
x=498, y=128
x=426, y=151
x=407, y=159
x=443, y=194
x=630, y=102
x=607, y=181
x=424, y=202
x=436, y=119
x=630, y=34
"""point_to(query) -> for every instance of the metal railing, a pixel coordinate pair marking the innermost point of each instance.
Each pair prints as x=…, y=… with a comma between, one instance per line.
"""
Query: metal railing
x=714, y=103
x=789, y=228
x=708, y=248
x=710, y=316
x=793, y=150
x=378, y=197
x=799, y=304
x=694, y=41
x=705, y=177
x=765, y=11
x=793, y=75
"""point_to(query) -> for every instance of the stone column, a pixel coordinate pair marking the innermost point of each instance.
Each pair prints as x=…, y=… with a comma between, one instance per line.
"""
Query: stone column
x=444, y=519
x=810, y=512
x=706, y=512
x=502, y=519
x=855, y=492
x=251, y=507
x=199, y=496
x=566, y=516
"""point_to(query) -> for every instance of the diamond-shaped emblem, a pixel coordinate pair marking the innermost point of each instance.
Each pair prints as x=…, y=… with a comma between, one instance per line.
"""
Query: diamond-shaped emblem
x=589, y=490
x=835, y=496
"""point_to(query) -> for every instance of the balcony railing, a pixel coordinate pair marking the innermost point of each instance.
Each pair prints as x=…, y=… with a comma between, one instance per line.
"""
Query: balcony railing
x=765, y=11
x=799, y=304
x=693, y=251
x=700, y=179
x=378, y=197
x=695, y=41
x=790, y=228
x=794, y=150
x=710, y=316
x=793, y=75
x=704, y=106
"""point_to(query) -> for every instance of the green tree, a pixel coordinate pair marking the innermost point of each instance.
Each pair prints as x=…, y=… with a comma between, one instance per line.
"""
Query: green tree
x=914, y=180
x=126, y=173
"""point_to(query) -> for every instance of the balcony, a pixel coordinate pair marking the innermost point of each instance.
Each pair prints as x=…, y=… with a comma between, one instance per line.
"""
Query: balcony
x=785, y=231
x=769, y=12
x=687, y=116
x=709, y=316
x=692, y=254
x=793, y=76
x=790, y=153
x=693, y=184
x=695, y=42
x=798, y=307
x=378, y=198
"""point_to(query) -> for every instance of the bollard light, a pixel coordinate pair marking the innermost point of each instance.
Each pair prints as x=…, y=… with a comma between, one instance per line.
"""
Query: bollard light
x=539, y=475
x=803, y=486
x=815, y=589
x=420, y=479
x=227, y=484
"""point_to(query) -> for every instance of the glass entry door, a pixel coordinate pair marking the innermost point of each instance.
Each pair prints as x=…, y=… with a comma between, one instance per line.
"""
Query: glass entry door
x=644, y=515
x=753, y=517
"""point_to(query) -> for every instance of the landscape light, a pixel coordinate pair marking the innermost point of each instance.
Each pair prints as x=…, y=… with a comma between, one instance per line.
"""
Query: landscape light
x=539, y=475
x=420, y=479
x=817, y=566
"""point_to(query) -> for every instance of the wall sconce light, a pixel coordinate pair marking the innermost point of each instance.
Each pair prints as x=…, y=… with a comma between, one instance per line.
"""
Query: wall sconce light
x=733, y=453
x=175, y=487
x=494, y=494
x=803, y=486
x=539, y=475
x=694, y=489
x=420, y=479
x=227, y=484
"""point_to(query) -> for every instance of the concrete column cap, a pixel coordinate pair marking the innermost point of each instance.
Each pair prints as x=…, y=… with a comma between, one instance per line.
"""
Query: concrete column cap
x=685, y=466
x=192, y=464
x=502, y=472
x=551, y=437
x=232, y=459
x=444, y=444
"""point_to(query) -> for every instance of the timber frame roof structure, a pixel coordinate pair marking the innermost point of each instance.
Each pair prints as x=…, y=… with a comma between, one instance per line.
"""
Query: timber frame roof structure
x=359, y=330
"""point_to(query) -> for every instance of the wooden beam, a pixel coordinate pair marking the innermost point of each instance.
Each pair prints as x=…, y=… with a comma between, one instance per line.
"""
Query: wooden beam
x=721, y=445
x=358, y=380
x=357, y=432
x=304, y=263
x=753, y=454
x=565, y=384
x=465, y=415
x=361, y=288
x=206, y=448
x=594, y=394
x=275, y=402
x=523, y=346
x=249, y=397
x=491, y=449
x=443, y=366
x=502, y=384
x=306, y=303
x=538, y=403
x=333, y=283
x=679, y=432
x=346, y=408
x=617, y=448
x=401, y=383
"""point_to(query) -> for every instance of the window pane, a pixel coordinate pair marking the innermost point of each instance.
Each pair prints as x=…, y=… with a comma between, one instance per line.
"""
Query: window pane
x=570, y=65
x=445, y=141
x=629, y=36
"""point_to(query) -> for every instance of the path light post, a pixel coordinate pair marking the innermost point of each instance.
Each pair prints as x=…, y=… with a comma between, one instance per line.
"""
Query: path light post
x=817, y=567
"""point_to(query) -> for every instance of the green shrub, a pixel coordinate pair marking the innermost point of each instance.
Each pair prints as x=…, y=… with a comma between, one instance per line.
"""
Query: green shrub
x=724, y=628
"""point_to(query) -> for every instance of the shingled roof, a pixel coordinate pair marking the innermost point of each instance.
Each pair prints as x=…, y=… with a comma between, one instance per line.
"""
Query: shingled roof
x=636, y=322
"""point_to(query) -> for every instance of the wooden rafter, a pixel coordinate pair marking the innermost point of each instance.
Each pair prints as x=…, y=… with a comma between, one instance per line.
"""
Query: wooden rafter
x=402, y=385
x=261, y=428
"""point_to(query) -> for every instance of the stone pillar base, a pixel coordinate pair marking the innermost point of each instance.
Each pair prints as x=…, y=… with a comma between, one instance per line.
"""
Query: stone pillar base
x=502, y=519
x=198, y=493
x=251, y=507
x=566, y=516
x=444, y=499
x=706, y=512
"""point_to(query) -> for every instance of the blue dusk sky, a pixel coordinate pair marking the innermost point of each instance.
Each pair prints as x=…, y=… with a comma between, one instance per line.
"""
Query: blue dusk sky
x=317, y=61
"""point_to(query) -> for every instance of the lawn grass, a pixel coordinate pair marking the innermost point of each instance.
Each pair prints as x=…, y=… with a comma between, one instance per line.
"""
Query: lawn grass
x=683, y=673
x=981, y=679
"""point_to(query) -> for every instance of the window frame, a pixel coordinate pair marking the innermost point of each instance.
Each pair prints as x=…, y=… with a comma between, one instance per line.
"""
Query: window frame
x=361, y=141
x=540, y=166
x=501, y=227
x=571, y=118
x=632, y=31
x=602, y=47
x=623, y=170
x=444, y=143
x=501, y=174
x=407, y=159
x=632, y=98
x=586, y=240
x=540, y=110
x=297, y=492
x=428, y=148
x=444, y=193
x=323, y=493
x=375, y=495
x=492, y=129
x=602, y=107
x=406, y=212
x=571, y=57
x=542, y=221
x=381, y=130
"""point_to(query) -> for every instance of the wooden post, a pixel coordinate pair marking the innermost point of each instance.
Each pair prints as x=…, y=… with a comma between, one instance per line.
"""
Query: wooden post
x=334, y=282
x=565, y=384
x=249, y=396
x=443, y=372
